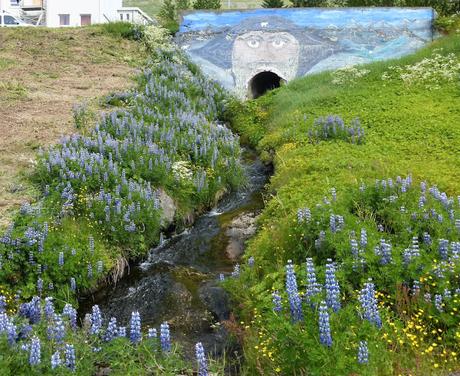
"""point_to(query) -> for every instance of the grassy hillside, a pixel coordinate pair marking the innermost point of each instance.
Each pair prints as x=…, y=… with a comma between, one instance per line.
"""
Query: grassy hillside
x=43, y=73
x=152, y=7
x=409, y=111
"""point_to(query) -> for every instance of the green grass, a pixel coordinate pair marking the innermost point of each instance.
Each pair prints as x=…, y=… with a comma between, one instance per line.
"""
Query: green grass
x=409, y=130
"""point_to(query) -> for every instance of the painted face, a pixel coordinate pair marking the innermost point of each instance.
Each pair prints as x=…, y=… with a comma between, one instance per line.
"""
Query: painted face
x=261, y=47
x=264, y=51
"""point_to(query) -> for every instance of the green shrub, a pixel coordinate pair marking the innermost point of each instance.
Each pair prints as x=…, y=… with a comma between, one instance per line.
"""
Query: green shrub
x=207, y=4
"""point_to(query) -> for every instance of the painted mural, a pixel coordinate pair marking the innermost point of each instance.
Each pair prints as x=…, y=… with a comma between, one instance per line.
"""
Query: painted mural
x=235, y=46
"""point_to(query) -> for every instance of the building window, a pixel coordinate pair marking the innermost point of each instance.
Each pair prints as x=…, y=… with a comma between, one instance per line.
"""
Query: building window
x=127, y=16
x=14, y=3
x=121, y=16
x=64, y=19
x=85, y=19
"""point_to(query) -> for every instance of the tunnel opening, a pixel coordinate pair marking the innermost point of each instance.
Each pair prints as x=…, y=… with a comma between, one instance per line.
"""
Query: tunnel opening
x=263, y=82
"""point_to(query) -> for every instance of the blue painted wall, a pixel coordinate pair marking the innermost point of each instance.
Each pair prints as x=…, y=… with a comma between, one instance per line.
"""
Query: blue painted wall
x=233, y=46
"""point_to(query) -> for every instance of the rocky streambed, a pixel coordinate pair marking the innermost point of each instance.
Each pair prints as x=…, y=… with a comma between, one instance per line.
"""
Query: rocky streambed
x=179, y=281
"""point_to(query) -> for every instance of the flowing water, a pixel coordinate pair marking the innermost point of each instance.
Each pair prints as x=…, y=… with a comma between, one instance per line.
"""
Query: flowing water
x=179, y=280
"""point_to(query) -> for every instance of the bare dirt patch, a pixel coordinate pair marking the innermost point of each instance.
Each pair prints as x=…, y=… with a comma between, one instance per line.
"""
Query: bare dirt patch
x=43, y=73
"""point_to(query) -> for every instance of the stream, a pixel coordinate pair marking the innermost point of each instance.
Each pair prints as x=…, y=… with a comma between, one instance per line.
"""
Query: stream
x=179, y=280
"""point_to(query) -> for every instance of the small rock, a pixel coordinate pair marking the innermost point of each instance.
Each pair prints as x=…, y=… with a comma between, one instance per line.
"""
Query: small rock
x=168, y=208
x=239, y=231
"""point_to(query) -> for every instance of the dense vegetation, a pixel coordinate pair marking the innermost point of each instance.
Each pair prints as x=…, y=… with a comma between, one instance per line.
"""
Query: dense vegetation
x=352, y=219
x=104, y=197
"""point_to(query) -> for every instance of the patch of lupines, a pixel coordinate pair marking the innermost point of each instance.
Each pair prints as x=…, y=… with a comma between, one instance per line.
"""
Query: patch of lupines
x=333, y=127
x=165, y=339
x=31, y=310
x=303, y=215
x=276, y=299
x=112, y=330
x=332, y=287
x=135, y=328
x=55, y=360
x=324, y=327
x=69, y=354
x=369, y=304
x=96, y=320
x=363, y=353
x=35, y=352
x=201, y=359
x=295, y=302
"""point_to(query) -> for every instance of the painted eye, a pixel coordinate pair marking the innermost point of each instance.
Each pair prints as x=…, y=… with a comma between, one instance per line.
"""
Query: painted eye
x=253, y=43
x=278, y=43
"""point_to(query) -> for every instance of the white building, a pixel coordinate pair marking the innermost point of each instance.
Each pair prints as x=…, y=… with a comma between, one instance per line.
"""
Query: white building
x=62, y=13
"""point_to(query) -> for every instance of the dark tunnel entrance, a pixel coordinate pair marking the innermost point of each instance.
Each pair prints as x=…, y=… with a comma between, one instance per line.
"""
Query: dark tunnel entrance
x=262, y=82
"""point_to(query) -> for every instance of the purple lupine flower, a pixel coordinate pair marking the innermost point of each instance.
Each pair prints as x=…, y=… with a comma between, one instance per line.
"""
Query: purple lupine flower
x=58, y=329
x=236, y=271
x=363, y=353
x=415, y=288
x=99, y=266
x=332, y=287
x=369, y=305
x=2, y=304
x=49, y=308
x=363, y=239
x=91, y=244
x=324, y=326
x=90, y=271
x=201, y=359
x=71, y=314
x=152, y=333
x=295, y=302
x=334, y=194
x=251, y=261
x=61, y=259
x=121, y=331
x=73, y=284
x=39, y=286
x=385, y=252
x=112, y=330
x=426, y=238
x=443, y=249
x=221, y=277
x=313, y=286
x=276, y=298
x=11, y=332
x=438, y=302
x=35, y=352
x=165, y=338
x=135, y=329
x=55, y=360
x=96, y=320
x=4, y=320
x=70, y=357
